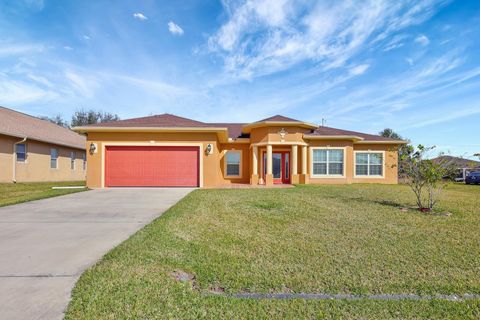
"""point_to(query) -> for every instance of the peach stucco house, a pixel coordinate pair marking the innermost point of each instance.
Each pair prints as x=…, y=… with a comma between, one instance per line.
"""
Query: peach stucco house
x=33, y=150
x=167, y=150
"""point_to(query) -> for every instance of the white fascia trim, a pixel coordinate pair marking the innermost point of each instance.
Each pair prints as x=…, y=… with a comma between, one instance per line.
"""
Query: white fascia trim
x=328, y=176
x=355, y=176
x=381, y=142
x=336, y=137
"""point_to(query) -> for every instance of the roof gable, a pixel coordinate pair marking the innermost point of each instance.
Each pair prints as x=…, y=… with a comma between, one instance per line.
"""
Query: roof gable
x=21, y=125
x=279, y=118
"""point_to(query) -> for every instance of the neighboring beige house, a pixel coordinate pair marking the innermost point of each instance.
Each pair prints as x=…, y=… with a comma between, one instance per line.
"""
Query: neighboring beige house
x=32, y=150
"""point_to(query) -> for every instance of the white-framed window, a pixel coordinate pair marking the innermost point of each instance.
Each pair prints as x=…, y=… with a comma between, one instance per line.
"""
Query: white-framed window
x=84, y=161
x=327, y=162
x=53, y=158
x=21, y=152
x=369, y=164
x=72, y=160
x=233, y=163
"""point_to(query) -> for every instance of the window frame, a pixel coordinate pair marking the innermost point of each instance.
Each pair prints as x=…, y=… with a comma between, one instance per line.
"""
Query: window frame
x=327, y=175
x=16, y=152
x=84, y=161
x=368, y=175
x=73, y=157
x=56, y=159
x=239, y=164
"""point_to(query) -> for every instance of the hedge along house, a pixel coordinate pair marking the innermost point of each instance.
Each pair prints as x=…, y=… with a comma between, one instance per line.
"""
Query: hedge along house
x=166, y=150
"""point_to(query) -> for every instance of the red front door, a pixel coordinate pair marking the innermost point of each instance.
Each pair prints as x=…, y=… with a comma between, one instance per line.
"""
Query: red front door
x=280, y=166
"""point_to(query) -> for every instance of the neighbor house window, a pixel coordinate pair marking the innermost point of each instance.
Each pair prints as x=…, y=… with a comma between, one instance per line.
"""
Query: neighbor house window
x=21, y=151
x=328, y=162
x=84, y=161
x=232, y=163
x=53, y=158
x=369, y=164
x=72, y=160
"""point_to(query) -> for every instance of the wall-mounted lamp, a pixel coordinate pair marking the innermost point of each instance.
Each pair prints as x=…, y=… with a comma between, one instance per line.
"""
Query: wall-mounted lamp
x=209, y=149
x=93, y=148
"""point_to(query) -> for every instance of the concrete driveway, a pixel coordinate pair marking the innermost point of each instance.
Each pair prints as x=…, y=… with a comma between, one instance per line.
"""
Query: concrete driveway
x=45, y=245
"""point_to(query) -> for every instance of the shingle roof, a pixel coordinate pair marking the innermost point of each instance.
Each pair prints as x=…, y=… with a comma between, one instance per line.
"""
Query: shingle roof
x=458, y=162
x=21, y=125
x=161, y=120
x=327, y=131
x=234, y=129
x=279, y=118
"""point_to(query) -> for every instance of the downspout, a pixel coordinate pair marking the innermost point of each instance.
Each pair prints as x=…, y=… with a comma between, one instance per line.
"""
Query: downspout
x=14, y=179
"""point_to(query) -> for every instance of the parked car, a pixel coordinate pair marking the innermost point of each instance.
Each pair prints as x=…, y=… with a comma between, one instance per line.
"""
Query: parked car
x=473, y=178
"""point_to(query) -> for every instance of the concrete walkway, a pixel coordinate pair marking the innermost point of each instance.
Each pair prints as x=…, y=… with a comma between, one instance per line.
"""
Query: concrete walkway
x=45, y=245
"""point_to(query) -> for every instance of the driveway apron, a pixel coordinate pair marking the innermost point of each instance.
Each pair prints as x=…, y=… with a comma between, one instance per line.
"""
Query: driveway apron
x=45, y=245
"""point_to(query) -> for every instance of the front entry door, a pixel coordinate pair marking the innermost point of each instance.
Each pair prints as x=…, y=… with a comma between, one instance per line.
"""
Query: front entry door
x=280, y=166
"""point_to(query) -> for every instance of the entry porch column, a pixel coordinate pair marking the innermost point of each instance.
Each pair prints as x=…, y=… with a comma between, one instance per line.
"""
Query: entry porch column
x=255, y=178
x=295, y=179
x=304, y=175
x=269, y=175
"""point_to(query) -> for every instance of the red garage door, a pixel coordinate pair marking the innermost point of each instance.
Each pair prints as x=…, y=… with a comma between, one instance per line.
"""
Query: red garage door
x=145, y=166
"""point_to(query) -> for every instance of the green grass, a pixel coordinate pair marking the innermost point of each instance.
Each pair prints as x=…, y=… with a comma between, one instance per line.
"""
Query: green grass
x=312, y=239
x=13, y=193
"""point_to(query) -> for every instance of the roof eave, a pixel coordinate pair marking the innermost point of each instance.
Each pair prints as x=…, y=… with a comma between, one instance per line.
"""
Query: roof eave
x=382, y=142
x=52, y=142
x=222, y=132
x=332, y=137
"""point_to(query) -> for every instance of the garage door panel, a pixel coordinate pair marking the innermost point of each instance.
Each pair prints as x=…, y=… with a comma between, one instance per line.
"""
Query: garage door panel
x=151, y=166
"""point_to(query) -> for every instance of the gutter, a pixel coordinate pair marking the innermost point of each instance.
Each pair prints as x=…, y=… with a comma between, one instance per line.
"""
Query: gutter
x=14, y=177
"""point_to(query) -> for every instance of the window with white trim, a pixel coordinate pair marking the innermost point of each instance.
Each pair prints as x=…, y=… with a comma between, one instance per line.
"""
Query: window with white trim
x=21, y=151
x=53, y=158
x=327, y=162
x=72, y=160
x=84, y=159
x=369, y=164
x=233, y=159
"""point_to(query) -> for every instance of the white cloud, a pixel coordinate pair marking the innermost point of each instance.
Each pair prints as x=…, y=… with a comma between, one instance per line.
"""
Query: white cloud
x=18, y=92
x=86, y=37
x=409, y=61
x=81, y=84
x=140, y=16
x=422, y=39
x=360, y=69
x=174, y=28
x=15, y=49
x=267, y=36
x=68, y=48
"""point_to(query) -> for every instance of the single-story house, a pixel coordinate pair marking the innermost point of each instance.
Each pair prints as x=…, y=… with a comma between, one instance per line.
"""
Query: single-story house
x=463, y=166
x=167, y=150
x=33, y=150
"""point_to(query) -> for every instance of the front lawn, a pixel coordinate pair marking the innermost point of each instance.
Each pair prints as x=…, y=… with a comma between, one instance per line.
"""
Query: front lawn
x=310, y=239
x=12, y=193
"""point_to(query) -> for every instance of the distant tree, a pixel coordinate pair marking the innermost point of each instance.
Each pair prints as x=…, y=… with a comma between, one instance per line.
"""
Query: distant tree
x=402, y=149
x=424, y=176
x=477, y=155
x=389, y=133
x=58, y=119
x=83, y=117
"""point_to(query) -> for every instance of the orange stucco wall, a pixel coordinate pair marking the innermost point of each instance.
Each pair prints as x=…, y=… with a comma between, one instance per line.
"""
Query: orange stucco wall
x=213, y=165
x=36, y=168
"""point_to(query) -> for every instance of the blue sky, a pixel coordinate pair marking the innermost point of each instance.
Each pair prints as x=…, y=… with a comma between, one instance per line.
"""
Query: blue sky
x=413, y=66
